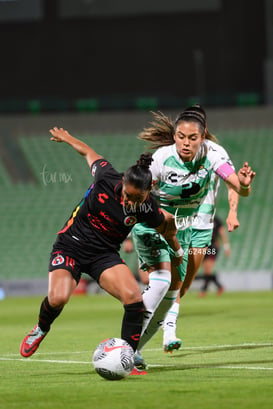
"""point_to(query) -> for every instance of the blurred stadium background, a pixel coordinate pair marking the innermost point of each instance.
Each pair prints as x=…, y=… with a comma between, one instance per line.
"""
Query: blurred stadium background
x=97, y=68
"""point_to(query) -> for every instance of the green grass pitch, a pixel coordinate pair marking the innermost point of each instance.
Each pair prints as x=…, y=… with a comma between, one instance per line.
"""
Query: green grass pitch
x=226, y=359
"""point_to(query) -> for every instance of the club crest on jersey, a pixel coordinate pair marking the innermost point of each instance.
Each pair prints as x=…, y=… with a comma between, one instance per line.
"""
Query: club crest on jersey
x=202, y=172
x=130, y=220
x=57, y=260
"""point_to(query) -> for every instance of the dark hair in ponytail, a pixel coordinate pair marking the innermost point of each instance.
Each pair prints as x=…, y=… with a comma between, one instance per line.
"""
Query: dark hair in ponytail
x=196, y=113
x=161, y=130
x=139, y=175
x=159, y=133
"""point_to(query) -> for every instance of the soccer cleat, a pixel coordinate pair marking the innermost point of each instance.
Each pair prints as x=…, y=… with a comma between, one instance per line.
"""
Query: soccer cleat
x=31, y=342
x=139, y=361
x=172, y=344
x=220, y=291
x=135, y=371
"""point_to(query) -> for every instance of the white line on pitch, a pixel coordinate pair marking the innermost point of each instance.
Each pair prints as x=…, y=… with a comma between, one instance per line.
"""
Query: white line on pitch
x=53, y=353
x=268, y=344
x=257, y=368
x=56, y=361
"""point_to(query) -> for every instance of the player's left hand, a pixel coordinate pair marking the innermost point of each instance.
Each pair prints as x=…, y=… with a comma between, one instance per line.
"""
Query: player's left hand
x=246, y=175
x=232, y=221
x=58, y=134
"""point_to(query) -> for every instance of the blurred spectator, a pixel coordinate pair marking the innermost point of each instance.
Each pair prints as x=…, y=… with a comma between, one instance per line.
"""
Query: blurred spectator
x=219, y=237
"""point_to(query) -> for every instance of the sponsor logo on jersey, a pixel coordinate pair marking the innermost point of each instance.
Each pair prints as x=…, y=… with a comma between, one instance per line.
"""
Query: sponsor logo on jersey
x=177, y=179
x=102, y=197
x=57, y=260
x=172, y=177
x=103, y=163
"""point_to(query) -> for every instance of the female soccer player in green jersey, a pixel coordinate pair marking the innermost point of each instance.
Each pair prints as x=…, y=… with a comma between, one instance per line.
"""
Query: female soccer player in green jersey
x=184, y=164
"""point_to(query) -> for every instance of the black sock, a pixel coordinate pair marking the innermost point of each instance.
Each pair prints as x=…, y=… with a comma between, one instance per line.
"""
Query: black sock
x=47, y=315
x=132, y=323
x=215, y=280
x=207, y=280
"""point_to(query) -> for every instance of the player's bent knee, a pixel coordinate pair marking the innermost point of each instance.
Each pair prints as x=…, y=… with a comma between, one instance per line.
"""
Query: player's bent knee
x=131, y=296
x=58, y=300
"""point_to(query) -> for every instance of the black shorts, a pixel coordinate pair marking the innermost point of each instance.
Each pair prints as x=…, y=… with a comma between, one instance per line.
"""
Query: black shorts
x=98, y=263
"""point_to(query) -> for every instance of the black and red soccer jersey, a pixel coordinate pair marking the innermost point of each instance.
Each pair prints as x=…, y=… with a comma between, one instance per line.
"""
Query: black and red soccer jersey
x=101, y=221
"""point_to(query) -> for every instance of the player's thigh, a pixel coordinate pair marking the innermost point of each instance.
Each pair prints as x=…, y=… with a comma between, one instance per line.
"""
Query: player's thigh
x=120, y=282
x=61, y=285
x=200, y=240
x=195, y=258
x=179, y=272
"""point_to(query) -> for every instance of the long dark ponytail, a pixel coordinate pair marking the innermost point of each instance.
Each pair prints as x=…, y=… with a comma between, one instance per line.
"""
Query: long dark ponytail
x=161, y=130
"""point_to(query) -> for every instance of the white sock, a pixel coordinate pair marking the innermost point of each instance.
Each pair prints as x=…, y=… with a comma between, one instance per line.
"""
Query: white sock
x=159, y=282
x=169, y=326
x=157, y=318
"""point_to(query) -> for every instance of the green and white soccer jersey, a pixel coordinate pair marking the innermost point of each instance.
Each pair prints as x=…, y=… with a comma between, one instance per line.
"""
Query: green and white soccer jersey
x=182, y=187
x=187, y=190
x=206, y=211
x=202, y=225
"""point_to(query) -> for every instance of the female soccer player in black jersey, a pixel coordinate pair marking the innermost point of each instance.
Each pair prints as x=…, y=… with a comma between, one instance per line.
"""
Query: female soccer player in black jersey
x=90, y=240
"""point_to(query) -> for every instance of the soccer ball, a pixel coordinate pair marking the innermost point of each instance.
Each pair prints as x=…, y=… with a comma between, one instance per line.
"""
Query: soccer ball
x=113, y=359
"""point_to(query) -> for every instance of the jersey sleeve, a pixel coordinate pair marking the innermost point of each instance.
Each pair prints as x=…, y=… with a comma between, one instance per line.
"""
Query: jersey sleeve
x=222, y=164
x=101, y=168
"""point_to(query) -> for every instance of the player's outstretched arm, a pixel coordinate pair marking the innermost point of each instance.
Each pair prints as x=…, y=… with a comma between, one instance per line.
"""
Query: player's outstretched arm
x=232, y=218
x=61, y=135
x=241, y=182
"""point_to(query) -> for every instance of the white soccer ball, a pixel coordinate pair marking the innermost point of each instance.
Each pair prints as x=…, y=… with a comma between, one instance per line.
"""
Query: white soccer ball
x=113, y=359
